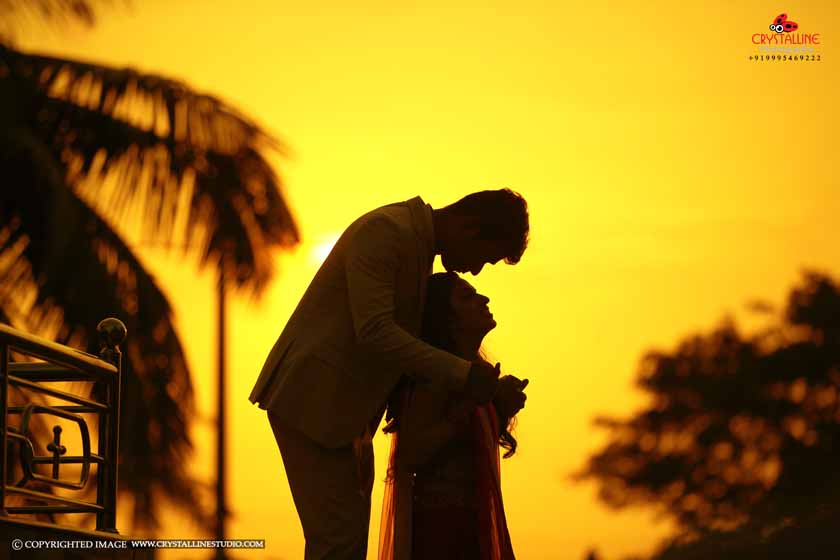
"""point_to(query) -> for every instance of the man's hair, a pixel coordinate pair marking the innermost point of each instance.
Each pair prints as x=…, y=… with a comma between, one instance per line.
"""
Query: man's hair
x=501, y=215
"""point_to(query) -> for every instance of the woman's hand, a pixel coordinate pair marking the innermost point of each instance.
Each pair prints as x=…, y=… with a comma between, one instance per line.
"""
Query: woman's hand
x=510, y=396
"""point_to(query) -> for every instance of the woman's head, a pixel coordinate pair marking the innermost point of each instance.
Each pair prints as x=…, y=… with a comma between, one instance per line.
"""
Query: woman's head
x=456, y=319
x=455, y=313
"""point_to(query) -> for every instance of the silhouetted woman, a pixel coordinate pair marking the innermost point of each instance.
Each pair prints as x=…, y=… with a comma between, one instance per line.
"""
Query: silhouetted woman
x=443, y=491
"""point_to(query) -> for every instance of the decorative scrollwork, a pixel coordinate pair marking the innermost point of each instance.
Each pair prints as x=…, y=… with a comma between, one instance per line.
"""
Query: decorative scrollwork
x=57, y=457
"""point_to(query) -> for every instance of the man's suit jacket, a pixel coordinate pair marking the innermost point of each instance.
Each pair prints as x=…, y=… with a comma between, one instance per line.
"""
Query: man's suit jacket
x=353, y=334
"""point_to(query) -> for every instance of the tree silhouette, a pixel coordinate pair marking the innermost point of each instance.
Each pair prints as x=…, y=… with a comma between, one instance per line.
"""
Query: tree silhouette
x=82, y=147
x=739, y=441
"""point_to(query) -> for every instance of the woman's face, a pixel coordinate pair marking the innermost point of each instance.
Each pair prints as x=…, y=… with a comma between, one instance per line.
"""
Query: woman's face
x=470, y=310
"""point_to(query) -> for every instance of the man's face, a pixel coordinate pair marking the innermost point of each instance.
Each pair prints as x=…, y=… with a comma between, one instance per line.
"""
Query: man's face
x=470, y=255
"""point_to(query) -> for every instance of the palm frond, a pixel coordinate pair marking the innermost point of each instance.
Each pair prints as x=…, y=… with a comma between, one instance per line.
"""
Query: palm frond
x=81, y=10
x=63, y=288
x=131, y=140
x=58, y=12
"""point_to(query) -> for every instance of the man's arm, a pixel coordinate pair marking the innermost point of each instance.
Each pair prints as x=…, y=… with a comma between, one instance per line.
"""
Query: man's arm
x=372, y=262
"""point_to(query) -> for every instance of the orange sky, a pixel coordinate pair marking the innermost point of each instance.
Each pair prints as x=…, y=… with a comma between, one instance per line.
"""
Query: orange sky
x=670, y=179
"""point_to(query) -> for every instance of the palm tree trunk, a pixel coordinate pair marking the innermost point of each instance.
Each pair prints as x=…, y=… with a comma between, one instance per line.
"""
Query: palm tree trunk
x=221, y=503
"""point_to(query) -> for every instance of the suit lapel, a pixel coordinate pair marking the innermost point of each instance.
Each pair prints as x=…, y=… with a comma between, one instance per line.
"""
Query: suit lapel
x=424, y=235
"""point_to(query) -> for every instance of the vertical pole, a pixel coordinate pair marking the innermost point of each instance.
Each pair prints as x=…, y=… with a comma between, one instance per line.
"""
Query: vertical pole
x=103, y=470
x=113, y=444
x=112, y=333
x=221, y=506
x=4, y=403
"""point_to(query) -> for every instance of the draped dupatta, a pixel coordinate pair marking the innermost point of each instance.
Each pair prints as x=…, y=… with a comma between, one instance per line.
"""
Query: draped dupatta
x=493, y=530
x=395, y=533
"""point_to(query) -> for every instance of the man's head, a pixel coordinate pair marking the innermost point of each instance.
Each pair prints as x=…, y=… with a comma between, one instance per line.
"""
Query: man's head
x=483, y=227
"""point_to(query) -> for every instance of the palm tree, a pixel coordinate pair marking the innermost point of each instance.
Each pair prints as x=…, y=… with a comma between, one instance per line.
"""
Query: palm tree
x=82, y=147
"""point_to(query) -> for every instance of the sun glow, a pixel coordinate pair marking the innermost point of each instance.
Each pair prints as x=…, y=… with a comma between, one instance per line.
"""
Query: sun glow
x=322, y=248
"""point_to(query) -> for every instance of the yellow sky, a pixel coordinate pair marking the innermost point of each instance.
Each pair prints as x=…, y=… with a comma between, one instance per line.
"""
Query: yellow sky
x=670, y=179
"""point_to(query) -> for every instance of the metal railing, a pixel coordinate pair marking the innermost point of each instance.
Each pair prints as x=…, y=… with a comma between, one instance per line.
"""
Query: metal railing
x=62, y=363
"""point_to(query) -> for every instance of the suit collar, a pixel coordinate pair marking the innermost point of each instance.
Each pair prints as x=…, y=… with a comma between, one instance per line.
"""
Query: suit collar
x=421, y=219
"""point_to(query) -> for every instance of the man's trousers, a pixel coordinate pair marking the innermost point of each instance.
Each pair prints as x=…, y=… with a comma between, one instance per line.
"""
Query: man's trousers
x=331, y=489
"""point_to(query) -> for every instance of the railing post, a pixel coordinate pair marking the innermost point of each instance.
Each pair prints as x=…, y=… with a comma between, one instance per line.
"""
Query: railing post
x=112, y=333
x=4, y=404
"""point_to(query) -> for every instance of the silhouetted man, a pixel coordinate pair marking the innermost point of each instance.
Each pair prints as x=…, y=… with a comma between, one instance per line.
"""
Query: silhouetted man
x=327, y=379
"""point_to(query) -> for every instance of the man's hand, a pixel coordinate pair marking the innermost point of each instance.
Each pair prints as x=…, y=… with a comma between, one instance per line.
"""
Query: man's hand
x=482, y=381
x=510, y=397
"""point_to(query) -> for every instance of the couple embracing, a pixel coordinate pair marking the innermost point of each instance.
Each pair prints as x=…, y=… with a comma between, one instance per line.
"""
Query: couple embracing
x=375, y=334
